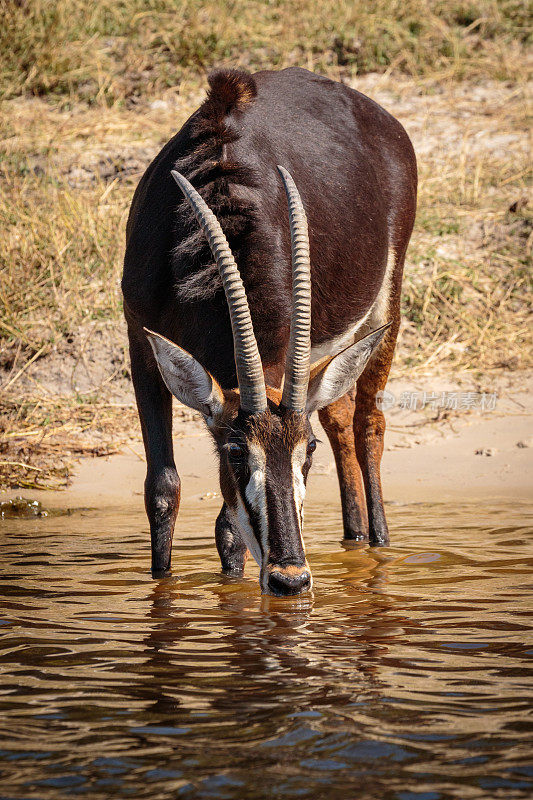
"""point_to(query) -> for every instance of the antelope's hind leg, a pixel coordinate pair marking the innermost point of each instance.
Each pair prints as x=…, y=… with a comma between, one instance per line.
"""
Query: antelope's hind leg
x=230, y=545
x=162, y=484
x=337, y=419
x=369, y=431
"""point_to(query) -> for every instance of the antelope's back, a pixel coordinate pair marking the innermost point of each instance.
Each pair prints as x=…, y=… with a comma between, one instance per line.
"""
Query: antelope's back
x=355, y=169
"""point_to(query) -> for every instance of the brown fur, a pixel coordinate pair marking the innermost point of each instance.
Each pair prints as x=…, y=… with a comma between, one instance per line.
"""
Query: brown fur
x=292, y=570
x=356, y=172
x=230, y=89
x=337, y=420
x=293, y=429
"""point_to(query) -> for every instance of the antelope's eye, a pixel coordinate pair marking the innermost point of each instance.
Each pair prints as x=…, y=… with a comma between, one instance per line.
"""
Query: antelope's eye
x=234, y=449
x=311, y=447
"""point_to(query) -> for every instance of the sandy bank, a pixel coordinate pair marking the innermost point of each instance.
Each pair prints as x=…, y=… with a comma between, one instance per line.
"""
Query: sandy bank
x=473, y=459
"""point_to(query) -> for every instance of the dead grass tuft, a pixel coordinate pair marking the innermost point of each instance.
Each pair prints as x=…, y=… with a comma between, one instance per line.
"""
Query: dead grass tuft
x=40, y=440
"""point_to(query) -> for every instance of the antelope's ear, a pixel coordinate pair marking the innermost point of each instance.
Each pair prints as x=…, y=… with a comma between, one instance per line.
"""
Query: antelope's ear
x=339, y=375
x=188, y=381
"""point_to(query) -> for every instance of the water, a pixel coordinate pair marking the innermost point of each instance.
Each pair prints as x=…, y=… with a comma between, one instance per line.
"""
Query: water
x=407, y=675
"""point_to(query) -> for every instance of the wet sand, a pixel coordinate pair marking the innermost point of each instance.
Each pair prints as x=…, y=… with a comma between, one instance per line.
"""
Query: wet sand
x=444, y=466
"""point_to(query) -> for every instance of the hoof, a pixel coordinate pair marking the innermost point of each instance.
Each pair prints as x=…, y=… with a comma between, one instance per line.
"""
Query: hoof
x=355, y=536
x=158, y=572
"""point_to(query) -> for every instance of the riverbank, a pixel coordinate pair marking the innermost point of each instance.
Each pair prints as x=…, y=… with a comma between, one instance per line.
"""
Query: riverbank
x=432, y=454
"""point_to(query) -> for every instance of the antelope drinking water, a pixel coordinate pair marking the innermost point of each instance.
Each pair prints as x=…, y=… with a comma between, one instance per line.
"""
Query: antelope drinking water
x=237, y=282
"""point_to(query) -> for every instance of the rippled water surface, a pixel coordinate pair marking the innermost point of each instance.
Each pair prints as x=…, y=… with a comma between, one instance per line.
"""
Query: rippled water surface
x=407, y=674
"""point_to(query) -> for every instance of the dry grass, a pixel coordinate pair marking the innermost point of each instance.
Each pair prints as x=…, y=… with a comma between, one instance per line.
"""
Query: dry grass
x=79, y=126
x=467, y=292
x=111, y=51
x=61, y=261
x=42, y=438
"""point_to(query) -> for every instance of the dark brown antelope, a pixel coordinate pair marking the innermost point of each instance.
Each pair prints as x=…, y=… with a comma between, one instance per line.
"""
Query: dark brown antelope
x=255, y=312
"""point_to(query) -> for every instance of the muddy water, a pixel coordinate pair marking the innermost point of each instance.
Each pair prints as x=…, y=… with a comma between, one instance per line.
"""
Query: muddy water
x=407, y=674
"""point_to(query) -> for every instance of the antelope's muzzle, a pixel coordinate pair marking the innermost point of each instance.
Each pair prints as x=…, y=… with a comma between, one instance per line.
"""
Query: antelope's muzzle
x=289, y=580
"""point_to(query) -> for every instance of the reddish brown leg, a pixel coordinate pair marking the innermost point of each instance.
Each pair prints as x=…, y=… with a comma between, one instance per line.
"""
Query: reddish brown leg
x=369, y=430
x=337, y=420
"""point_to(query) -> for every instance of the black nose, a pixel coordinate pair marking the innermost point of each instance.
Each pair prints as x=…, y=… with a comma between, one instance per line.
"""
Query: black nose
x=282, y=584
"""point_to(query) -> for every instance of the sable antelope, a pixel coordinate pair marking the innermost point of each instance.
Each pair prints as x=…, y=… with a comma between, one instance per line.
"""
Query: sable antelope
x=220, y=337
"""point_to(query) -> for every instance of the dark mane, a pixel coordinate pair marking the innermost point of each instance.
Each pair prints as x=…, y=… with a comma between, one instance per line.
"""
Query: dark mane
x=206, y=166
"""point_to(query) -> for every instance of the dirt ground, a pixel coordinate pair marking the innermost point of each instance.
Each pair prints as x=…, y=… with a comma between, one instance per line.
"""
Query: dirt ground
x=449, y=126
x=431, y=455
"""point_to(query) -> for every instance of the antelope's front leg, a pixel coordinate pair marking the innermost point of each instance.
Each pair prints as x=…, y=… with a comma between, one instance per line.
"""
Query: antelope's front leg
x=230, y=545
x=162, y=484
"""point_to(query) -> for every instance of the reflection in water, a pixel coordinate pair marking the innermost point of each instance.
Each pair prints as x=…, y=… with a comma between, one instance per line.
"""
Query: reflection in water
x=406, y=675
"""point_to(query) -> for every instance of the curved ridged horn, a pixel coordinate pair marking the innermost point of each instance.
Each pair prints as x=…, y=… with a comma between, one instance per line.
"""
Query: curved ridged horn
x=247, y=359
x=299, y=350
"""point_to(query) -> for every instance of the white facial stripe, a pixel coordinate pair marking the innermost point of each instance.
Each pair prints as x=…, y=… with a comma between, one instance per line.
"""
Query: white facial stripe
x=255, y=495
x=244, y=526
x=298, y=459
